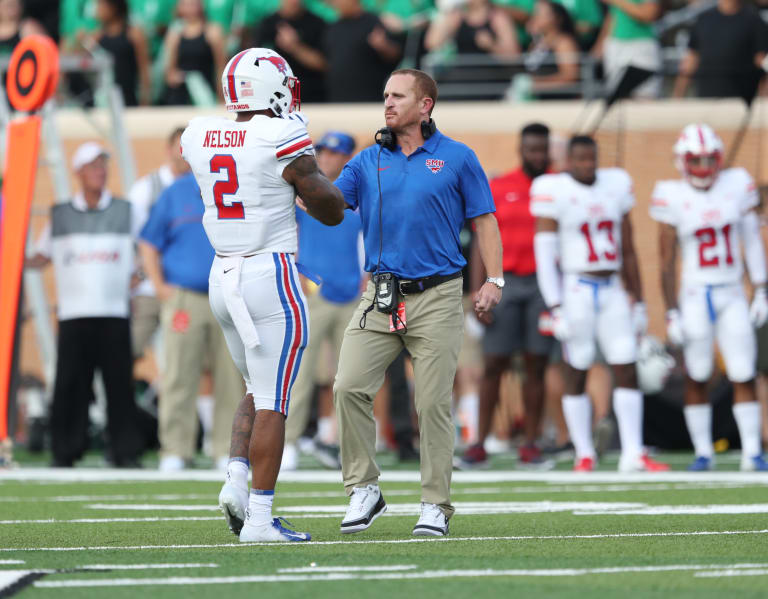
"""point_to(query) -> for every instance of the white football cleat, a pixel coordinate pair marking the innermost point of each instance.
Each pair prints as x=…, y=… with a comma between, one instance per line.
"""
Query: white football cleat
x=272, y=531
x=365, y=505
x=233, y=501
x=290, y=460
x=432, y=522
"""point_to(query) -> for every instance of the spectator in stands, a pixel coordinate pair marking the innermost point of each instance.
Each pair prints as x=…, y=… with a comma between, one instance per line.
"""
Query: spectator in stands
x=476, y=28
x=332, y=254
x=128, y=47
x=44, y=16
x=728, y=45
x=195, y=46
x=78, y=19
x=399, y=16
x=90, y=243
x=628, y=38
x=153, y=17
x=145, y=307
x=177, y=256
x=587, y=18
x=14, y=26
x=553, y=58
x=361, y=54
x=297, y=35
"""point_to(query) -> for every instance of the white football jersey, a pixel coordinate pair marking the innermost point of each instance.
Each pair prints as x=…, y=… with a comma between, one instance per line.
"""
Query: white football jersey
x=707, y=224
x=588, y=216
x=249, y=207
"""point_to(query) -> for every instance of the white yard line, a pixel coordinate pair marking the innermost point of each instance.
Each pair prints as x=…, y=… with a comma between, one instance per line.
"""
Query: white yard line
x=393, y=568
x=730, y=573
x=144, y=566
x=675, y=510
x=699, y=533
x=111, y=520
x=337, y=576
x=48, y=475
x=11, y=562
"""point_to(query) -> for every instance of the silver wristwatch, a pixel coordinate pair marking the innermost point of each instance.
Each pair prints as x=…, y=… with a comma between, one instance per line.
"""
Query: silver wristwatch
x=498, y=281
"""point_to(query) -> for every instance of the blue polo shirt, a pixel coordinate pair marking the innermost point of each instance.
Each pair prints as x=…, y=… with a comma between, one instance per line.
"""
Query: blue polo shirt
x=427, y=197
x=332, y=254
x=175, y=228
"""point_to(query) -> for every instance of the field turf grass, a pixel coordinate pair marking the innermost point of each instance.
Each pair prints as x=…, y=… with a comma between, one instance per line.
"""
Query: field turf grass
x=515, y=534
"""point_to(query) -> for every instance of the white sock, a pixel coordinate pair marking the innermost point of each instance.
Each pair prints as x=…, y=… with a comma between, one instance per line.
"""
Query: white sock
x=698, y=419
x=260, y=507
x=237, y=472
x=578, y=416
x=747, y=415
x=325, y=430
x=628, y=408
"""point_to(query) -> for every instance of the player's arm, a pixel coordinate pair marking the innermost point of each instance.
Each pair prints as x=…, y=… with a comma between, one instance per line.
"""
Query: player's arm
x=546, y=249
x=754, y=256
x=322, y=198
x=630, y=271
x=489, y=245
x=668, y=257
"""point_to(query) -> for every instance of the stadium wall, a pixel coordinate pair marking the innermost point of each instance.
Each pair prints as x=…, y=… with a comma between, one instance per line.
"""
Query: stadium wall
x=637, y=135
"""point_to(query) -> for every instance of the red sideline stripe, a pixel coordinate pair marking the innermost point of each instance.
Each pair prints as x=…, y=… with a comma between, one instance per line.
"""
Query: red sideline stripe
x=231, y=77
x=297, y=333
x=294, y=147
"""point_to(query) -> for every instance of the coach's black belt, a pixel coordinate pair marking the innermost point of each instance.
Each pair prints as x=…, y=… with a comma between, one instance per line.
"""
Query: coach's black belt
x=407, y=287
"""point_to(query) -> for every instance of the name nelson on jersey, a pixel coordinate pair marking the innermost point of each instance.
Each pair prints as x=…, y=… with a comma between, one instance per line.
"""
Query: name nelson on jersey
x=224, y=139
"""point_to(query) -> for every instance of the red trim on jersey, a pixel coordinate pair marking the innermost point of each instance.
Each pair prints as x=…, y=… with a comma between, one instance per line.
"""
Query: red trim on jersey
x=658, y=202
x=231, y=77
x=542, y=199
x=294, y=147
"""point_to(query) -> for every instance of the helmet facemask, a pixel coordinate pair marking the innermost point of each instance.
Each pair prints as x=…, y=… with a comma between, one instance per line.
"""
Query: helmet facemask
x=700, y=170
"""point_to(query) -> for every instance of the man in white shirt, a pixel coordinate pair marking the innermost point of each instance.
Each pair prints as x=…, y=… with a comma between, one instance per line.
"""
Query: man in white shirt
x=90, y=244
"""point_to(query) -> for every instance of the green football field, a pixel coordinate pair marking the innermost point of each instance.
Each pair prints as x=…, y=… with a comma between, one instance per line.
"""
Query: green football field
x=93, y=532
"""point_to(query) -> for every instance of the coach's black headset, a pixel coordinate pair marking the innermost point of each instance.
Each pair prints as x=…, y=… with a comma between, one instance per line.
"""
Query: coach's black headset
x=386, y=138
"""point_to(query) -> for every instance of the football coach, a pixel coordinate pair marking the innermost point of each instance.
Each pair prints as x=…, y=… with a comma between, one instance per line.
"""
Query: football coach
x=414, y=189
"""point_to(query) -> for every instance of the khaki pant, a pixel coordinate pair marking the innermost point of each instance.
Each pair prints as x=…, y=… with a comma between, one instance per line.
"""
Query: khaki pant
x=193, y=338
x=327, y=321
x=145, y=319
x=435, y=322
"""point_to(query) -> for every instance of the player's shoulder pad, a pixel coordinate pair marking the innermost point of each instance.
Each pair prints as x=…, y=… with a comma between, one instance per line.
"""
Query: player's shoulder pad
x=665, y=192
x=616, y=176
x=738, y=177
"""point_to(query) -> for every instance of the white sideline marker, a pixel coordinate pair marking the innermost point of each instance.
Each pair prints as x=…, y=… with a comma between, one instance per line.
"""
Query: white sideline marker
x=426, y=574
x=622, y=535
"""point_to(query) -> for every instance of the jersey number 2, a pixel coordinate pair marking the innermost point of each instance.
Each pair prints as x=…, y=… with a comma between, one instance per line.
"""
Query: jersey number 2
x=229, y=186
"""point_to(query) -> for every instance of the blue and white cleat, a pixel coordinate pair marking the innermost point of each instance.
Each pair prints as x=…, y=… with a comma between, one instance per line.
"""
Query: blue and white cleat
x=755, y=464
x=273, y=531
x=701, y=464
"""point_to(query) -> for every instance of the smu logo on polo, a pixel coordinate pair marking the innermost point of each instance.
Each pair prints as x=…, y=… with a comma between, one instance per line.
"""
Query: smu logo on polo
x=435, y=165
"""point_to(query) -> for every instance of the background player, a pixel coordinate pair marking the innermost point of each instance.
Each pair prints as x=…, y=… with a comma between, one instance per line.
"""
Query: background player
x=711, y=214
x=249, y=171
x=582, y=222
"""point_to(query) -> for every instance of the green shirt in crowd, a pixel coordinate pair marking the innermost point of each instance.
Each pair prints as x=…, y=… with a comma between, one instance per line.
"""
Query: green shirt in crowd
x=627, y=28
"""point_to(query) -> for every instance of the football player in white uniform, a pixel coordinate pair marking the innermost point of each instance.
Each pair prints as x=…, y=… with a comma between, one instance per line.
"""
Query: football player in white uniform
x=250, y=170
x=710, y=214
x=584, y=248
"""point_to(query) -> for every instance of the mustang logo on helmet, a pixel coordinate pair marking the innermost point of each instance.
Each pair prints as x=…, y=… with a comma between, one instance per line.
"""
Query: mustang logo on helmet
x=278, y=61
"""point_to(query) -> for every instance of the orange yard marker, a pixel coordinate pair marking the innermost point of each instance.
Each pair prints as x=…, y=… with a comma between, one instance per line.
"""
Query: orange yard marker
x=32, y=77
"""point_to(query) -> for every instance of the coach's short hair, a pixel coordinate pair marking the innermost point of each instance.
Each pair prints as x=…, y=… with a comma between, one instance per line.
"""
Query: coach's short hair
x=535, y=129
x=425, y=86
x=581, y=140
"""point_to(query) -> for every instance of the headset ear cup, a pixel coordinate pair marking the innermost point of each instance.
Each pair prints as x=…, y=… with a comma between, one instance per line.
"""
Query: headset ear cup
x=428, y=128
x=386, y=138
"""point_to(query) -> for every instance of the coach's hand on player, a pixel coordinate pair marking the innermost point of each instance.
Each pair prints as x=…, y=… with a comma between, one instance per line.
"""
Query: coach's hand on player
x=640, y=318
x=486, y=299
x=675, y=333
x=560, y=328
x=758, y=311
